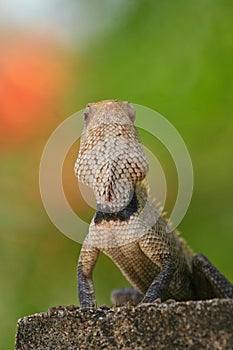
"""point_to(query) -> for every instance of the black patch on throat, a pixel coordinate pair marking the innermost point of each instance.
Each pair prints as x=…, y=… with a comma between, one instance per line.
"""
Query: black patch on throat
x=122, y=215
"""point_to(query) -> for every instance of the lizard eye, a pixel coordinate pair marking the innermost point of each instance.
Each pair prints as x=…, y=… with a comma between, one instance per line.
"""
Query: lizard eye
x=86, y=113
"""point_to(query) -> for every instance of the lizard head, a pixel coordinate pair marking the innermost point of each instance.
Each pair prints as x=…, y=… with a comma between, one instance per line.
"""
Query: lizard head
x=111, y=159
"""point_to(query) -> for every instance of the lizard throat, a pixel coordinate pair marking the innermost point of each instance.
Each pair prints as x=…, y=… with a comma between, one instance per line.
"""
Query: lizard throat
x=122, y=215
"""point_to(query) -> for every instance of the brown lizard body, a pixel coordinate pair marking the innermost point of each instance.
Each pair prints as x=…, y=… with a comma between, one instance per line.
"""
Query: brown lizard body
x=127, y=227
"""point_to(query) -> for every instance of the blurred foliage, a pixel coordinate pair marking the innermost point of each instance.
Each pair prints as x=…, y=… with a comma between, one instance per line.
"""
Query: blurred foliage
x=174, y=57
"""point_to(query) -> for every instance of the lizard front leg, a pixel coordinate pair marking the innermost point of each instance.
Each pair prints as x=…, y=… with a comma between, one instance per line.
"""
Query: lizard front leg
x=87, y=260
x=160, y=284
x=161, y=258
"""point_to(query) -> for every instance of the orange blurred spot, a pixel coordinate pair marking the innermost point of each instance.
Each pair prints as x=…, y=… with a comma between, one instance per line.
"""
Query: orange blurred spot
x=32, y=81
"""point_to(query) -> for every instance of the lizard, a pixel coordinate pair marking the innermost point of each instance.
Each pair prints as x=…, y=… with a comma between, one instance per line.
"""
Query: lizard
x=127, y=226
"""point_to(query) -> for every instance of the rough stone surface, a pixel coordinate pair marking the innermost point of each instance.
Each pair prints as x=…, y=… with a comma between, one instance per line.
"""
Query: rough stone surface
x=192, y=325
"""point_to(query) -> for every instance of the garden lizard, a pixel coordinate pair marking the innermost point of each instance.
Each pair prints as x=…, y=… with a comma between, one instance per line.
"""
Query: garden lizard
x=127, y=226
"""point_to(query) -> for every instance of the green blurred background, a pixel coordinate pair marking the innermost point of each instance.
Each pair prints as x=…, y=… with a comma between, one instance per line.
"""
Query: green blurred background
x=173, y=56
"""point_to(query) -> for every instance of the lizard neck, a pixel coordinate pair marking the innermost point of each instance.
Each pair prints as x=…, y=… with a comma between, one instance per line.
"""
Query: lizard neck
x=109, y=230
x=121, y=215
x=138, y=201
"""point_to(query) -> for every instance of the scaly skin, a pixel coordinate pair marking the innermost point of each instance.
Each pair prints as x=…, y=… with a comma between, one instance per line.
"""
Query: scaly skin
x=127, y=227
